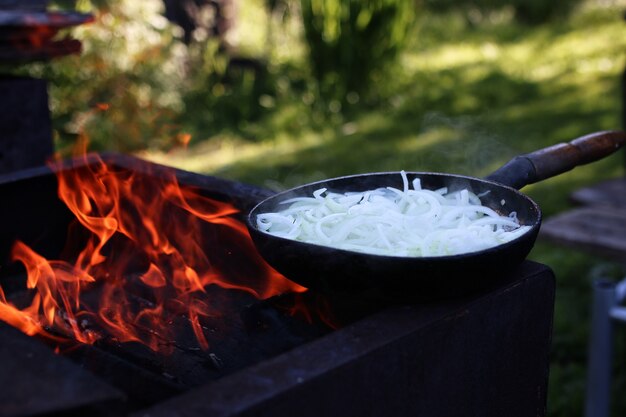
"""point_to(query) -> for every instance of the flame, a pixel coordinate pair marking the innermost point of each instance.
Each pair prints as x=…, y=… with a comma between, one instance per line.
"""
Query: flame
x=153, y=236
x=312, y=307
x=183, y=139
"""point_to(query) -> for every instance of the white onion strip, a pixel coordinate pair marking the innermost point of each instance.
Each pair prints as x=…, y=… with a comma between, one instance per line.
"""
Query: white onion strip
x=411, y=222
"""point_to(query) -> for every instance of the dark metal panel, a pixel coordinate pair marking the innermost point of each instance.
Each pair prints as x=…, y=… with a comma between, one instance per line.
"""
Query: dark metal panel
x=37, y=5
x=35, y=381
x=486, y=356
x=25, y=127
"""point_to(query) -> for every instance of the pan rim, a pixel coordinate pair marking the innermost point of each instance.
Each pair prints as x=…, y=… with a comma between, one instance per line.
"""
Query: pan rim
x=251, y=223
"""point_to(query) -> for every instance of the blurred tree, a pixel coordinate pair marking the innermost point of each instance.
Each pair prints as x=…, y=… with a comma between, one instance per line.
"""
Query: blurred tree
x=131, y=75
x=187, y=15
x=537, y=11
x=214, y=17
x=352, y=42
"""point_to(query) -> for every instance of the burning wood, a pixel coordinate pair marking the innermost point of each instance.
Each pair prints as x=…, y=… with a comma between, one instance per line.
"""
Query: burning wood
x=135, y=233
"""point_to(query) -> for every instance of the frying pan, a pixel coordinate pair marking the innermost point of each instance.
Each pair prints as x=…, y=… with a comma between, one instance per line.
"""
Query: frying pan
x=336, y=271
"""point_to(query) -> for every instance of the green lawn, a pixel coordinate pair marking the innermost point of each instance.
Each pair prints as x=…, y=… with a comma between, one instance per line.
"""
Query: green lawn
x=463, y=103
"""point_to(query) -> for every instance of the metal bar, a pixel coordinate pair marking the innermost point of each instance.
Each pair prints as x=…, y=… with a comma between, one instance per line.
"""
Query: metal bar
x=25, y=123
x=624, y=101
x=620, y=291
x=619, y=312
x=600, y=350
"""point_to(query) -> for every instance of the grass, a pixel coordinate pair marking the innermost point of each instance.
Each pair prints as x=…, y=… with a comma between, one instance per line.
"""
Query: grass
x=465, y=105
x=463, y=100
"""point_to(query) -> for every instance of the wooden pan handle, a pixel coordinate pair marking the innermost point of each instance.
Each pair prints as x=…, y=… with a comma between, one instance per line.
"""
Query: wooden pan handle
x=557, y=159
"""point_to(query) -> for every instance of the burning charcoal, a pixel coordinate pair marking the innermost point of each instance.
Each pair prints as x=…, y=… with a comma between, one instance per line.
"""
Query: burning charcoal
x=276, y=327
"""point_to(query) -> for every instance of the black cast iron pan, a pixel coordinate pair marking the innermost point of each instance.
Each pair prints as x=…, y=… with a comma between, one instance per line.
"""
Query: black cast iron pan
x=336, y=271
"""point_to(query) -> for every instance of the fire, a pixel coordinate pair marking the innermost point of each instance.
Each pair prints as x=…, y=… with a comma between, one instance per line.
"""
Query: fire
x=135, y=237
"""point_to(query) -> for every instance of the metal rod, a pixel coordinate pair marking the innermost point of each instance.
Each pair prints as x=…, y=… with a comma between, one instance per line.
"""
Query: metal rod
x=618, y=312
x=600, y=350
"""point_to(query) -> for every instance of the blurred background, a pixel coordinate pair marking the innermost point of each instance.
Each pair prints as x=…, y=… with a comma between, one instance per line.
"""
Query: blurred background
x=283, y=92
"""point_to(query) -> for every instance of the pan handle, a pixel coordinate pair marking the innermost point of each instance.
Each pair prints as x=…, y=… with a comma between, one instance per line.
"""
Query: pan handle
x=553, y=160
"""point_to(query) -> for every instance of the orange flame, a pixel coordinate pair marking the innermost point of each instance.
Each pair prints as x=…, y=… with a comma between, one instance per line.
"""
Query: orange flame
x=183, y=139
x=142, y=232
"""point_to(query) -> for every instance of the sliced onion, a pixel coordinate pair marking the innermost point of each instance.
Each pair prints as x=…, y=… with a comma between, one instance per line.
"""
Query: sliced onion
x=388, y=221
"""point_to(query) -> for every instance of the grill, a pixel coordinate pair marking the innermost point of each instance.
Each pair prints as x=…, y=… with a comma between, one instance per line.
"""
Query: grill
x=28, y=33
x=486, y=353
x=292, y=353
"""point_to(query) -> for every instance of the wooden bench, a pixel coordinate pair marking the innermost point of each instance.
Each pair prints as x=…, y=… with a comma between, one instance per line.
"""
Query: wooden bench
x=597, y=225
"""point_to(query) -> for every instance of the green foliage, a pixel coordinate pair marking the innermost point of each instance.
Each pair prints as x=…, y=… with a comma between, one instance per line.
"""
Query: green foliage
x=351, y=43
x=124, y=90
x=224, y=93
x=538, y=11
